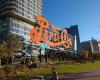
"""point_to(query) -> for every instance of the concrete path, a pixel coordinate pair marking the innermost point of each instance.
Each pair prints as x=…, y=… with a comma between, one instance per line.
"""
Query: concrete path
x=90, y=75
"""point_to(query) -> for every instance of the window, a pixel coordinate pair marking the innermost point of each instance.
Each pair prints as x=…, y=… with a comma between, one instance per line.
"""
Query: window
x=25, y=28
x=14, y=30
x=21, y=27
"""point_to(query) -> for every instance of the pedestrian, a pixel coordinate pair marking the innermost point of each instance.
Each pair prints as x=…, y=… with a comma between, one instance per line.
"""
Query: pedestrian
x=54, y=74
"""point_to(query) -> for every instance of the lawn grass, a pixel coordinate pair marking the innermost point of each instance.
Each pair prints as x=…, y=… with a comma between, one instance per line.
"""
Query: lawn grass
x=60, y=68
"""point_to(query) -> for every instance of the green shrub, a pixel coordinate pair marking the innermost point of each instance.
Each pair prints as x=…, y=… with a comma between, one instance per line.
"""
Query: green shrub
x=20, y=69
x=96, y=56
x=1, y=72
x=7, y=71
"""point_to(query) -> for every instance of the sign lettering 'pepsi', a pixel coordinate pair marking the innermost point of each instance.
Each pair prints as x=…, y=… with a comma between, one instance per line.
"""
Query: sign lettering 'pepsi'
x=50, y=34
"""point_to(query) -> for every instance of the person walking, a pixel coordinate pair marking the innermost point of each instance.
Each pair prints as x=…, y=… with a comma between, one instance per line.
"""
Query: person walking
x=54, y=75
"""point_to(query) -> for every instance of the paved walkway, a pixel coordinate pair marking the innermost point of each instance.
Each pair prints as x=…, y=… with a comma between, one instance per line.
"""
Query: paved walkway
x=91, y=75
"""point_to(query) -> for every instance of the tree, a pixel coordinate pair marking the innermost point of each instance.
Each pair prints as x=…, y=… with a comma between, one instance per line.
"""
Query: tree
x=2, y=50
x=96, y=55
x=84, y=54
x=12, y=44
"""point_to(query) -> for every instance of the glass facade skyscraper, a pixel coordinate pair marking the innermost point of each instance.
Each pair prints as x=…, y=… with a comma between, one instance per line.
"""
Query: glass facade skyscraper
x=17, y=16
x=73, y=31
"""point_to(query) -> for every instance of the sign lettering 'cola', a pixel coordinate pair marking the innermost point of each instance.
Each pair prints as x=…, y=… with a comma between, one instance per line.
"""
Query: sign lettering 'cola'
x=50, y=34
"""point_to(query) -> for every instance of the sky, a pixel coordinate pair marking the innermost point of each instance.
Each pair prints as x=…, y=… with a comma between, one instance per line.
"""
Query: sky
x=84, y=13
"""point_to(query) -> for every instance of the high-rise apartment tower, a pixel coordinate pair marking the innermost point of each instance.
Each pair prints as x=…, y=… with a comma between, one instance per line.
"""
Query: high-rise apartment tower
x=17, y=16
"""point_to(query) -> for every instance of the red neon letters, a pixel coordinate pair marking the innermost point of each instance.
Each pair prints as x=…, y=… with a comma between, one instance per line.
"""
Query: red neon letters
x=50, y=34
